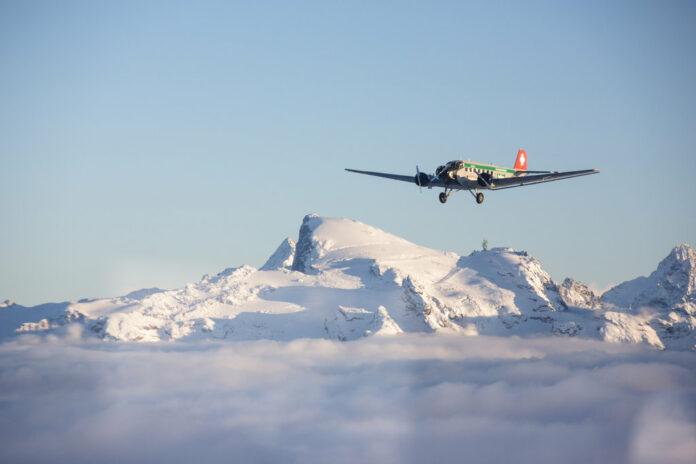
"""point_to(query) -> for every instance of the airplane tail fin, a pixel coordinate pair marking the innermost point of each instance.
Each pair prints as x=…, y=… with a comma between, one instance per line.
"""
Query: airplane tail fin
x=521, y=161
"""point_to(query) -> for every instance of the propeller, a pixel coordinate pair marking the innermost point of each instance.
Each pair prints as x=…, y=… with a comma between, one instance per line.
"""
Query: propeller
x=422, y=179
x=418, y=179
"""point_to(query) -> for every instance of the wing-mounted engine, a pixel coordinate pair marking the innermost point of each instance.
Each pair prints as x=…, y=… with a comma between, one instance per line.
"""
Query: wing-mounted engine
x=422, y=179
x=485, y=179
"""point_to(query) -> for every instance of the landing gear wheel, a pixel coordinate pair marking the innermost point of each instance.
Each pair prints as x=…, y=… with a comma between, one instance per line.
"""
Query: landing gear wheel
x=443, y=197
x=479, y=198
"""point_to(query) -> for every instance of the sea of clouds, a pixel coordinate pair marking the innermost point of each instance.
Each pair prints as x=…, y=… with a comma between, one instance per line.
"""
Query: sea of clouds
x=424, y=398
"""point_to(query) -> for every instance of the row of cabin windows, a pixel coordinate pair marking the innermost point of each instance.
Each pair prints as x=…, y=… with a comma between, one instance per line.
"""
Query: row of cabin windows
x=477, y=170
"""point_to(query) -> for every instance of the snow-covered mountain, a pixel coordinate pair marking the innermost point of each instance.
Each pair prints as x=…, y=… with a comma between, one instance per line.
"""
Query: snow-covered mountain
x=344, y=280
x=665, y=301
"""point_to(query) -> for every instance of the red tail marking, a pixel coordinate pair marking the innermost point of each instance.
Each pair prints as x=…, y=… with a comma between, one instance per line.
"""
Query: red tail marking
x=521, y=161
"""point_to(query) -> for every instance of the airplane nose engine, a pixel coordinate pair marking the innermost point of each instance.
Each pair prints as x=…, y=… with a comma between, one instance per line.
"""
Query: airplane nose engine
x=421, y=179
x=485, y=179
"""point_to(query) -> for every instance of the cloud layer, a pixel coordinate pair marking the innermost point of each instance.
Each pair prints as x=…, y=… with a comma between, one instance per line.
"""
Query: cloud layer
x=392, y=399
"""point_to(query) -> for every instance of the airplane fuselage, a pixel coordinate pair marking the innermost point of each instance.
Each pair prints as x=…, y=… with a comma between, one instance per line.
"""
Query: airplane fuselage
x=467, y=173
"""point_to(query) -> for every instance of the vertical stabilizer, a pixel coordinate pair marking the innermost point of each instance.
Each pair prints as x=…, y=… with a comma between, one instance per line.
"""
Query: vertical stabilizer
x=521, y=161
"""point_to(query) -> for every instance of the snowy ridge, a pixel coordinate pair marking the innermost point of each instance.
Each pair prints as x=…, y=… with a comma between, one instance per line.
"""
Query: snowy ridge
x=345, y=280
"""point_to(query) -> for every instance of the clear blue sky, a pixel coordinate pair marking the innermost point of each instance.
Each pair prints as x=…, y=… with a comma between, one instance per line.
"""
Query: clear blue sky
x=147, y=143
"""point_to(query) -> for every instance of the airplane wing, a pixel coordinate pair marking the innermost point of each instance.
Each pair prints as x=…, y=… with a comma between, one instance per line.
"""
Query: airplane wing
x=433, y=181
x=498, y=184
x=510, y=182
x=410, y=179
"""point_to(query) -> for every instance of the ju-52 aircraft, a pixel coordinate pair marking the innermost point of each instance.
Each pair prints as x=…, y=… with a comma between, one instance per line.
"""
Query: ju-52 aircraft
x=471, y=176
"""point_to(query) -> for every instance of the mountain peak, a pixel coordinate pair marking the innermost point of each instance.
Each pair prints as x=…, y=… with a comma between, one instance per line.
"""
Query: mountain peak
x=283, y=257
x=673, y=282
x=676, y=275
x=683, y=252
x=323, y=241
x=682, y=258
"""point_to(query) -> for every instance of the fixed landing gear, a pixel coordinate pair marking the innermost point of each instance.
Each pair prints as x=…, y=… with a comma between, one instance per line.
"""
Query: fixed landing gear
x=445, y=195
x=478, y=196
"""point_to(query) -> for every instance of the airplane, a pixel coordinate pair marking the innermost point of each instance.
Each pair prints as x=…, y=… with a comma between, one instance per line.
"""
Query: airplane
x=472, y=176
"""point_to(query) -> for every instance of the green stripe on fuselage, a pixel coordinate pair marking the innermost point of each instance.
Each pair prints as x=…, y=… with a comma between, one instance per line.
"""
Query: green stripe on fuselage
x=488, y=167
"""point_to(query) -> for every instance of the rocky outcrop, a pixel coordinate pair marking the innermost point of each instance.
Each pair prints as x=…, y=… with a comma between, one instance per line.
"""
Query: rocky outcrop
x=282, y=258
x=578, y=295
x=306, y=246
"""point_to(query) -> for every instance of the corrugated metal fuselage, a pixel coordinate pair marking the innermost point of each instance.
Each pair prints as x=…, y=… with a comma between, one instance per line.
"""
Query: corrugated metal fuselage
x=471, y=175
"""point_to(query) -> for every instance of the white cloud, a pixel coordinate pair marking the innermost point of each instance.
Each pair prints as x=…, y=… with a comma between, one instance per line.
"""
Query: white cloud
x=389, y=399
x=665, y=430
